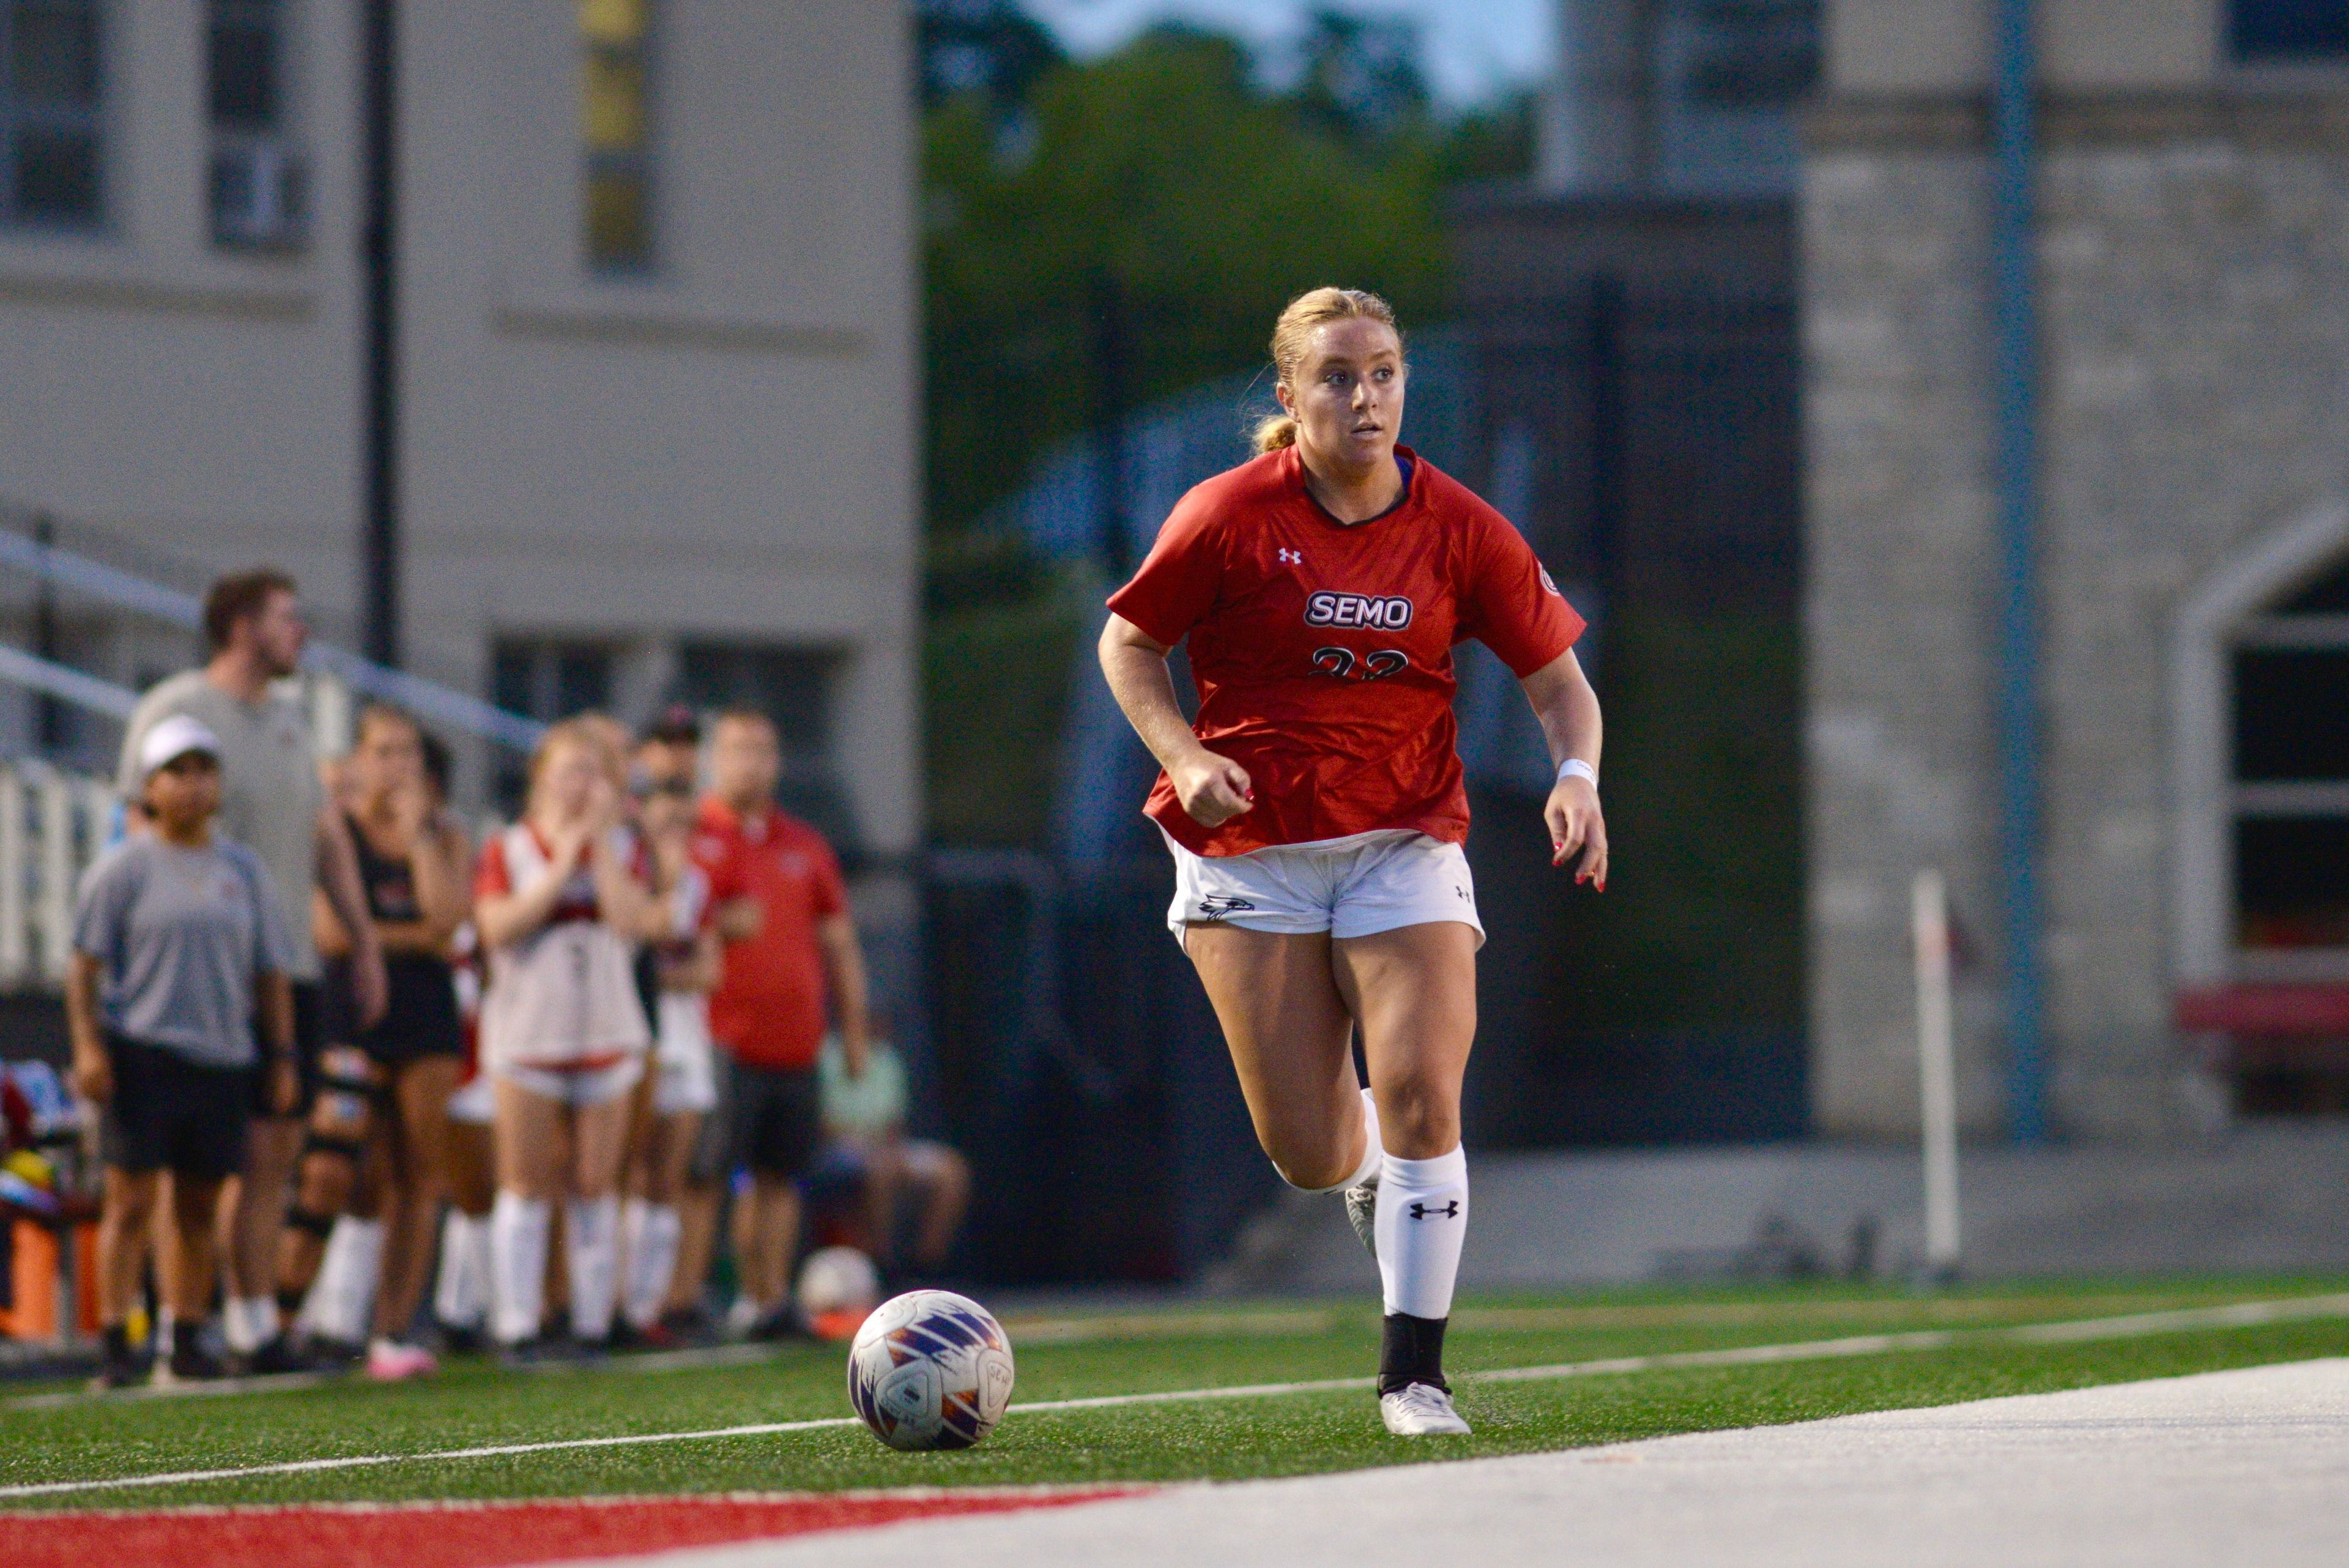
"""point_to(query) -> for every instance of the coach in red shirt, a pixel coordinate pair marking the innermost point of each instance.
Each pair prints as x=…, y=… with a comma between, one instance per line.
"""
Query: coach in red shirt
x=790, y=947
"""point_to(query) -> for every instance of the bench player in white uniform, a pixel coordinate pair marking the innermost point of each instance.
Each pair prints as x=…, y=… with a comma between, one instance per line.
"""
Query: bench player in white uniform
x=685, y=1077
x=461, y=1296
x=561, y=900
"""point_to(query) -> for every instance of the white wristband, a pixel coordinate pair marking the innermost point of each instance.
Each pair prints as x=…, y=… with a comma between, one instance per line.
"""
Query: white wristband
x=1576, y=768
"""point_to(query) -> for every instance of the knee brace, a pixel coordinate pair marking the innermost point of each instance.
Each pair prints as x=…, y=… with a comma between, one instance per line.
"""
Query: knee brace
x=347, y=1086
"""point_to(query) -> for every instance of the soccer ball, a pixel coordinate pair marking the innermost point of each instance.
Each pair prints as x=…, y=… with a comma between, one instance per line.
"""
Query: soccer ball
x=838, y=1287
x=930, y=1370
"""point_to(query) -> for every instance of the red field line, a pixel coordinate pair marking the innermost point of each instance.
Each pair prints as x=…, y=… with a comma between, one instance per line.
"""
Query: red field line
x=477, y=1536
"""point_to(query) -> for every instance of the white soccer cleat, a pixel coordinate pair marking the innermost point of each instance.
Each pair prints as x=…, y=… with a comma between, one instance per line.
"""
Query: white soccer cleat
x=1362, y=1214
x=1421, y=1410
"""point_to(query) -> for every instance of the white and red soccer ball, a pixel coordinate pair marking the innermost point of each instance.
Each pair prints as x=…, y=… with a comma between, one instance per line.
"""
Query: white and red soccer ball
x=930, y=1370
x=838, y=1289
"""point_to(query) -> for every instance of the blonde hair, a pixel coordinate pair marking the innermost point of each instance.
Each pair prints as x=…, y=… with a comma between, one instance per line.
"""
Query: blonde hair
x=588, y=732
x=1292, y=335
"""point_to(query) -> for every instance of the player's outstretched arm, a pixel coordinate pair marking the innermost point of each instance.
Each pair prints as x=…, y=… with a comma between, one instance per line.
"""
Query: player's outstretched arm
x=1213, y=789
x=1568, y=710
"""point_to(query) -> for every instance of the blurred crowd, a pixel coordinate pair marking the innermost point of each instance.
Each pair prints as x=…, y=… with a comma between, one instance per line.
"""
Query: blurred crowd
x=369, y=1091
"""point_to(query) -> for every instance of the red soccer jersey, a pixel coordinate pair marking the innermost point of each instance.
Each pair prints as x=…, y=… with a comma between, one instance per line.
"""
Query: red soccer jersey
x=768, y=1007
x=1322, y=652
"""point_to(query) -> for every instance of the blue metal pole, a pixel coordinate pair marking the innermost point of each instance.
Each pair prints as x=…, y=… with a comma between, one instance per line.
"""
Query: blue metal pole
x=2013, y=162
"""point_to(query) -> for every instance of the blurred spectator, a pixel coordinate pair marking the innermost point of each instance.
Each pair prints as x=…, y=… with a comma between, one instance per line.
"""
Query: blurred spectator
x=864, y=1122
x=178, y=946
x=413, y=858
x=684, y=1088
x=670, y=758
x=272, y=802
x=559, y=900
x=790, y=947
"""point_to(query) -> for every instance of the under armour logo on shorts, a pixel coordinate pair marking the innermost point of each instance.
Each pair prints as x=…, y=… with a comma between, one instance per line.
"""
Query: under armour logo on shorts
x=1291, y=557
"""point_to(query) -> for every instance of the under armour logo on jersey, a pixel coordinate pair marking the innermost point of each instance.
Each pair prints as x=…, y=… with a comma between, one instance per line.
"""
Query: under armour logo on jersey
x=1291, y=557
x=1430, y=1212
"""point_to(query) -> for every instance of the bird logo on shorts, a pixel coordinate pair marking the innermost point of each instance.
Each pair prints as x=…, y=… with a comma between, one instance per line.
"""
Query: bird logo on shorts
x=1216, y=905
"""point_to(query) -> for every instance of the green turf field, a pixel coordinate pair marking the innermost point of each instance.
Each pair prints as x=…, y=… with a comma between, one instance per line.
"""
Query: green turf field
x=1133, y=1351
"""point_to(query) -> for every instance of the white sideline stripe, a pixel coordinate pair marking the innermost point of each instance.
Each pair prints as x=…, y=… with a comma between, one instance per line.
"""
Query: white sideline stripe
x=2136, y=1325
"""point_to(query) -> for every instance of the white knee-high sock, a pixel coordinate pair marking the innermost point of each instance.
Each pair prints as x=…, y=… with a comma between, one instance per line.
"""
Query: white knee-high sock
x=652, y=1232
x=248, y=1323
x=354, y=1303
x=334, y=1262
x=518, y=1228
x=461, y=1296
x=1422, y=1216
x=342, y=1294
x=591, y=1242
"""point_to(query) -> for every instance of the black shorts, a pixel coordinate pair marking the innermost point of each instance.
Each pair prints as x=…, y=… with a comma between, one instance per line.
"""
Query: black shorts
x=772, y=1119
x=419, y=1019
x=170, y=1114
x=309, y=1045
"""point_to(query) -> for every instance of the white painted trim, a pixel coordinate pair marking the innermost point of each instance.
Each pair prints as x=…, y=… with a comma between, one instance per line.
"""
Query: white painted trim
x=2201, y=719
x=2308, y=797
x=2297, y=631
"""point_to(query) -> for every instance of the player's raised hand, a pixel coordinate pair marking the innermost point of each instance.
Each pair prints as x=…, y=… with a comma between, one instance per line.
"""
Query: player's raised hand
x=1577, y=824
x=1213, y=789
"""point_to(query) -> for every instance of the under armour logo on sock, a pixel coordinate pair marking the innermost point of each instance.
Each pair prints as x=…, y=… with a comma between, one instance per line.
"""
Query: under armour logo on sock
x=1291, y=557
x=1429, y=1211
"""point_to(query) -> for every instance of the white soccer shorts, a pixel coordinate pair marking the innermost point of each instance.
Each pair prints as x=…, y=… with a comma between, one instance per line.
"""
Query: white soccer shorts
x=1353, y=886
x=685, y=1069
x=577, y=1087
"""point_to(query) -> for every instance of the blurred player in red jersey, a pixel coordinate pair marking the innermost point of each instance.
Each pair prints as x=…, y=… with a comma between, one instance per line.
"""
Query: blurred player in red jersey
x=790, y=947
x=1316, y=809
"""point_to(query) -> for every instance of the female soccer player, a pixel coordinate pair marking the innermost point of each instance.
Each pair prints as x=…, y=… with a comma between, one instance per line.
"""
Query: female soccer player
x=559, y=899
x=1316, y=810
x=684, y=1086
x=412, y=862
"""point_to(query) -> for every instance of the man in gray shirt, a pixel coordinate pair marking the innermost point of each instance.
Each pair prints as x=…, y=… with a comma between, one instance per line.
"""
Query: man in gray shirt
x=270, y=801
x=178, y=946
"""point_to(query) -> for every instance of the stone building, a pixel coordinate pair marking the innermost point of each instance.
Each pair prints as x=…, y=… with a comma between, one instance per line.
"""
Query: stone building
x=657, y=343
x=2192, y=277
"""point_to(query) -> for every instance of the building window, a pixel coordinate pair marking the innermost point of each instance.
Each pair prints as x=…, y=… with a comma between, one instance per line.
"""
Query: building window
x=2290, y=786
x=258, y=187
x=2277, y=32
x=1753, y=54
x=616, y=112
x=52, y=142
x=546, y=679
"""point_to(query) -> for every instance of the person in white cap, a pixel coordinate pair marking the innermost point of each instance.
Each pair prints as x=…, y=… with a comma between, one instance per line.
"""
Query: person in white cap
x=178, y=948
x=270, y=801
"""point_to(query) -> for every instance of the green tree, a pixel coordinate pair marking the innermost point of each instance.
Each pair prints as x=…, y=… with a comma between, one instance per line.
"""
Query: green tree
x=1161, y=178
x=1166, y=184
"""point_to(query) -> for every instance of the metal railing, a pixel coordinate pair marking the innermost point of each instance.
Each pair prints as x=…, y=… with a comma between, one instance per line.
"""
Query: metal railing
x=428, y=700
x=52, y=823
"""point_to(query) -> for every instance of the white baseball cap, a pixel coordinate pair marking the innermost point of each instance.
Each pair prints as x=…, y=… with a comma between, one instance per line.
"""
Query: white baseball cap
x=173, y=738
